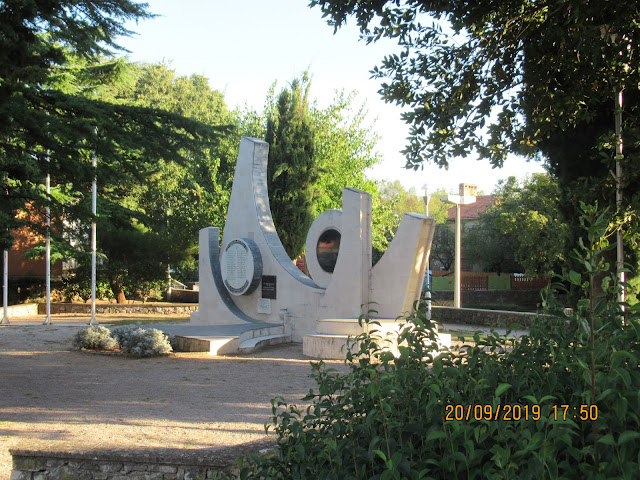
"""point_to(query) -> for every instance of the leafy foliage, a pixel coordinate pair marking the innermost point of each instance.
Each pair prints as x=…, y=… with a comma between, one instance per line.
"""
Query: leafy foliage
x=393, y=417
x=534, y=78
x=129, y=339
x=293, y=170
x=57, y=114
x=531, y=213
x=94, y=338
x=523, y=231
x=141, y=342
x=495, y=78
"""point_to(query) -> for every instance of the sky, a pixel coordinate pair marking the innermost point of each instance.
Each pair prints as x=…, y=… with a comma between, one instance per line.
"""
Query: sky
x=243, y=46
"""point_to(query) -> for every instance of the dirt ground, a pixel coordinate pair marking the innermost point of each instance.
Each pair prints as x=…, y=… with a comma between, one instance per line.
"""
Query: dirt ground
x=52, y=397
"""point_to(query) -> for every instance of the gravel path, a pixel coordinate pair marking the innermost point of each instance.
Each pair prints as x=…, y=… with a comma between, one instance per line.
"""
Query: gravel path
x=55, y=398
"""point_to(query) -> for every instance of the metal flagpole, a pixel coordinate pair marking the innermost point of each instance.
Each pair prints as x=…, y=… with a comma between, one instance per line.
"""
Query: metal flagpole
x=619, y=157
x=5, y=289
x=47, y=258
x=94, y=202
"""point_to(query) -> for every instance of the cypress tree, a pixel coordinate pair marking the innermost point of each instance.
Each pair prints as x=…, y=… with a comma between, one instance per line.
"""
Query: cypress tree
x=293, y=170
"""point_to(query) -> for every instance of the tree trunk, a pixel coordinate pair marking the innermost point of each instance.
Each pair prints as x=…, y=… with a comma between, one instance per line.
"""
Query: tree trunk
x=118, y=292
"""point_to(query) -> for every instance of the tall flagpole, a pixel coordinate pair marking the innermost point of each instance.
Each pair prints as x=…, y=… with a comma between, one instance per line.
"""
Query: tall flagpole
x=5, y=289
x=47, y=255
x=94, y=202
x=619, y=157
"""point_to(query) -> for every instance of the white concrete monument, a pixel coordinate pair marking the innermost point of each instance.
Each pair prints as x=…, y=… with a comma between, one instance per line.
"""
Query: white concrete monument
x=251, y=280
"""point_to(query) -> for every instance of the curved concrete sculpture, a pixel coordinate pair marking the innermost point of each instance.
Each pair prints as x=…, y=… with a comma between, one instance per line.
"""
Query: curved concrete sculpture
x=251, y=280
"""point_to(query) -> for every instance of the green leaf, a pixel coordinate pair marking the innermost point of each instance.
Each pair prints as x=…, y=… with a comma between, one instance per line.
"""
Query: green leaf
x=503, y=387
x=628, y=436
x=574, y=277
x=436, y=435
x=607, y=440
x=381, y=454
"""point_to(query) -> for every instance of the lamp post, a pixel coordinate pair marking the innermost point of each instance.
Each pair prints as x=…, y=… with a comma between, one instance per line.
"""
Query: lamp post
x=467, y=195
x=427, y=295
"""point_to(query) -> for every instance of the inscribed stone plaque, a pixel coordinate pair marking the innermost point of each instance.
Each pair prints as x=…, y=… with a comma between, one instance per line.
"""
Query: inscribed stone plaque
x=269, y=286
x=264, y=305
x=241, y=266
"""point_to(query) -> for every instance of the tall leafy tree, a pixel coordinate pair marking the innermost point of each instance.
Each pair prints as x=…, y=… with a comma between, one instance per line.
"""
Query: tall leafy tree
x=48, y=55
x=149, y=222
x=536, y=78
x=499, y=77
x=345, y=147
x=179, y=198
x=524, y=230
x=293, y=170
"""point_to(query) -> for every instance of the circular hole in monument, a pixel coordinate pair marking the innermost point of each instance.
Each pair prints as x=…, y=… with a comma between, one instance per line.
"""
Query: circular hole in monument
x=327, y=249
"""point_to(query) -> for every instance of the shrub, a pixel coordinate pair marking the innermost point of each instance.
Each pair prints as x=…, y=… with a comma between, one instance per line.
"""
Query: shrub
x=130, y=339
x=94, y=338
x=140, y=342
x=560, y=402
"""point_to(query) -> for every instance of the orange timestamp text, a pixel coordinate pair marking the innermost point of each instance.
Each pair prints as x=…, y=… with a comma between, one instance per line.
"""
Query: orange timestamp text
x=517, y=412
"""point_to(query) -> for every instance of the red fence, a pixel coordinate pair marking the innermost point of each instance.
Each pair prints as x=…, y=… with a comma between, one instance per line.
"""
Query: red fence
x=474, y=282
x=519, y=282
x=480, y=281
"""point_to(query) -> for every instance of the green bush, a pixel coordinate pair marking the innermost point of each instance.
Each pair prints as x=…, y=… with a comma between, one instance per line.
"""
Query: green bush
x=493, y=409
x=140, y=342
x=94, y=338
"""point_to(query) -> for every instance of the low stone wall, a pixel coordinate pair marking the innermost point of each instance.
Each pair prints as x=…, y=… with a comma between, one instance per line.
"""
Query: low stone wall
x=114, y=308
x=529, y=299
x=184, y=296
x=477, y=316
x=158, y=464
x=22, y=310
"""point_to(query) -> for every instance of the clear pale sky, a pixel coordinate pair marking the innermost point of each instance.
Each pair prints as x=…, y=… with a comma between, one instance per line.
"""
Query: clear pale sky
x=243, y=46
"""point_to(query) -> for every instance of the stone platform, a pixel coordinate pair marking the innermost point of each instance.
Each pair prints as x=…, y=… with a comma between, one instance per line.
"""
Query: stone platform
x=330, y=341
x=225, y=339
x=332, y=338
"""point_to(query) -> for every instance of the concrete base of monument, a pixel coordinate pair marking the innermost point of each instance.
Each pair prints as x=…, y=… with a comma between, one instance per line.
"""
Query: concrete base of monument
x=332, y=340
x=226, y=339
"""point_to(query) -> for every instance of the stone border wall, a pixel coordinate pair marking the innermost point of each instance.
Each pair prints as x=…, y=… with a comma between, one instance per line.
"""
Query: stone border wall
x=529, y=299
x=477, y=316
x=184, y=296
x=22, y=310
x=114, y=308
x=158, y=464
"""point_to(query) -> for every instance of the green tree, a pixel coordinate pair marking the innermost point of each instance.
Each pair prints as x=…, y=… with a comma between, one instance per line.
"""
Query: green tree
x=54, y=119
x=178, y=199
x=494, y=249
x=535, y=78
x=402, y=200
x=293, y=170
x=345, y=147
x=164, y=210
x=499, y=78
x=530, y=212
x=443, y=247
